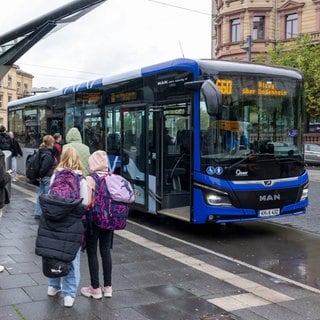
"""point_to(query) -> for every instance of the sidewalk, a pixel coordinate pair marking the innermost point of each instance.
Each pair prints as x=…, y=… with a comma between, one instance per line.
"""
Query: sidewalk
x=154, y=278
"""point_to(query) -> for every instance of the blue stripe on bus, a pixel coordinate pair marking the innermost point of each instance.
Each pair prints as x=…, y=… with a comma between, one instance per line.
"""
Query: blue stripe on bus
x=183, y=64
x=83, y=86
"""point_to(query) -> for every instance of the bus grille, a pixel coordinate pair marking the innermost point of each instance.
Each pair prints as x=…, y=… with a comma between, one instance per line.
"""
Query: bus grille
x=266, y=199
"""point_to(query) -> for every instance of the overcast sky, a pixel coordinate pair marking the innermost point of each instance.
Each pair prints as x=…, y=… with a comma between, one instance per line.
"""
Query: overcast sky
x=115, y=37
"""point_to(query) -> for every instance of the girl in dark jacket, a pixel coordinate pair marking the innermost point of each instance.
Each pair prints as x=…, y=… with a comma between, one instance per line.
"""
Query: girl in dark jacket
x=47, y=165
x=60, y=230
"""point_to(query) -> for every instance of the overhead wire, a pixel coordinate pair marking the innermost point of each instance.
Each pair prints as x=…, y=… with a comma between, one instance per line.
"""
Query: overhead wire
x=178, y=7
x=59, y=68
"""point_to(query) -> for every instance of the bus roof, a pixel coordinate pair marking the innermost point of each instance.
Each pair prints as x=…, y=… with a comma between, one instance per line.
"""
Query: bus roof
x=211, y=67
x=232, y=67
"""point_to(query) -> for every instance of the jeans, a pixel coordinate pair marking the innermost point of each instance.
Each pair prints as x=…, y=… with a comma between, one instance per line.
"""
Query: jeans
x=14, y=167
x=43, y=189
x=105, y=238
x=68, y=284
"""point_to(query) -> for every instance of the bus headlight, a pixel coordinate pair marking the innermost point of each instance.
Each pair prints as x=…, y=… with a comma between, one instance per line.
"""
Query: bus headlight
x=214, y=199
x=304, y=194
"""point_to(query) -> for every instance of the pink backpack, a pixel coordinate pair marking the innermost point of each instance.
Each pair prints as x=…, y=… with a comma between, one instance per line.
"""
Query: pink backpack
x=120, y=189
x=112, y=197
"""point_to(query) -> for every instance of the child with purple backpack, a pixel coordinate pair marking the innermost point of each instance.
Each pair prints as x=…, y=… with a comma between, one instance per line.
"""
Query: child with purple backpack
x=98, y=164
x=61, y=229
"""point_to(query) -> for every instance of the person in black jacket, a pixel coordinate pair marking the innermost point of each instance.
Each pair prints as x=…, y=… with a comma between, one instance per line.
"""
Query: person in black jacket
x=60, y=228
x=47, y=165
x=4, y=188
x=16, y=151
x=59, y=237
x=5, y=140
x=4, y=183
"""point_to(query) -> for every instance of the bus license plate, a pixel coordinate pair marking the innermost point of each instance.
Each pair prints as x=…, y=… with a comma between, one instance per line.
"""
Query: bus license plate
x=269, y=212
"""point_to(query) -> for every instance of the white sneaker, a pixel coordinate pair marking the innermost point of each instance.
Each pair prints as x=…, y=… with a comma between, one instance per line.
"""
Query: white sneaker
x=52, y=291
x=1, y=268
x=68, y=301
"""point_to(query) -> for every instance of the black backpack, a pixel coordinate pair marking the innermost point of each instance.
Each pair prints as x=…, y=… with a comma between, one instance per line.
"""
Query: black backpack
x=33, y=166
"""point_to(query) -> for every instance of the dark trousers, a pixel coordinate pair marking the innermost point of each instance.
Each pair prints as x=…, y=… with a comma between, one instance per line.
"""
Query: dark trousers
x=105, y=238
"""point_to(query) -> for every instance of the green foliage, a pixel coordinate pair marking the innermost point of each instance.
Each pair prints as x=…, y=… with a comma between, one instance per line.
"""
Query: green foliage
x=304, y=54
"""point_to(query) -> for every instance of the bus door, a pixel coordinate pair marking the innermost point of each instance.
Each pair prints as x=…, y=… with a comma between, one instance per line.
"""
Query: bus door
x=175, y=169
x=134, y=151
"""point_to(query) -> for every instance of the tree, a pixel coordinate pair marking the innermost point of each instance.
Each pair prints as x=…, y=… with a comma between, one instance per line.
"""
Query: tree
x=303, y=54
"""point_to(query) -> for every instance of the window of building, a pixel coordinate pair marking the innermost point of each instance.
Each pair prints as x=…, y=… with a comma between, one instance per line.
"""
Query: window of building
x=291, y=25
x=9, y=81
x=18, y=87
x=25, y=88
x=235, y=30
x=258, y=28
x=1, y=100
x=9, y=97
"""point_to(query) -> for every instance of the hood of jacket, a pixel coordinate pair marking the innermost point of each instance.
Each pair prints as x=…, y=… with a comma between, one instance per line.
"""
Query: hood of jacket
x=56, y=208
x=73, y=135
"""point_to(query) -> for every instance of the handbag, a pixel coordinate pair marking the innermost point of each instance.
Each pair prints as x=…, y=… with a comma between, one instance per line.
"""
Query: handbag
x=54, y=268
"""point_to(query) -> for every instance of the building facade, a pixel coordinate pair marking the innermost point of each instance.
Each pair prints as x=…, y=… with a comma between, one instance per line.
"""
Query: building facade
x=14, y=85
x=241, y=29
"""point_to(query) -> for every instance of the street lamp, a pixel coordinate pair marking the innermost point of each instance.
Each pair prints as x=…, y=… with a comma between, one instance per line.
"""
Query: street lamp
x=247, y=47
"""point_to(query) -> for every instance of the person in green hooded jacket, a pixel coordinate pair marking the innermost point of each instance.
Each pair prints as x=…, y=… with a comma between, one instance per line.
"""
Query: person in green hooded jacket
x=73, y=139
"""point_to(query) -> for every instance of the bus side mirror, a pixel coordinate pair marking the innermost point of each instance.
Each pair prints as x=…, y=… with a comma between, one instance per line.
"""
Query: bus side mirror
x=211, y=94
x=212, y=97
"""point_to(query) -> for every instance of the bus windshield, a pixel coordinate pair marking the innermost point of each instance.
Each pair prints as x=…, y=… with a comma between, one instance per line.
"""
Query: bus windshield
x=260, y=116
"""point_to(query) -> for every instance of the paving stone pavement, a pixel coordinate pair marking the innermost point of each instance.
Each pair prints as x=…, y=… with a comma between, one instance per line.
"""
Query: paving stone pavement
x=153, y=278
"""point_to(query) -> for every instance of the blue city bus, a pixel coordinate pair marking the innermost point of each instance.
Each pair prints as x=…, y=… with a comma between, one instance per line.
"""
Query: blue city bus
x=204, y=141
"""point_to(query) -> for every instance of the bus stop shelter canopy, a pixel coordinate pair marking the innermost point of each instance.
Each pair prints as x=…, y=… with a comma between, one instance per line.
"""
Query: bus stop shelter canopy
x=17, y=42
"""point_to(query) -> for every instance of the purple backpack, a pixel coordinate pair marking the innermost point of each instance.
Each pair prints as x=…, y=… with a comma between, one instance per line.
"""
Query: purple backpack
x=112, y=196
x=66, y=184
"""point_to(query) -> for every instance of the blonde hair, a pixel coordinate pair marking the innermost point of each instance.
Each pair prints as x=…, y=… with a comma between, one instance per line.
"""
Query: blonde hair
x=70, y=159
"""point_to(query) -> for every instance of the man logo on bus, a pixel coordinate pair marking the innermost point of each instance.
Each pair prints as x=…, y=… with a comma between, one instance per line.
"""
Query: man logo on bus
x=269, y=197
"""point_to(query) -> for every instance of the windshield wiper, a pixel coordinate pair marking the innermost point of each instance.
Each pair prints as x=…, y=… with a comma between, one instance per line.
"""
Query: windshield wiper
x=290, y=160
x=240, y=161
x=262, y=158
x=253, y=156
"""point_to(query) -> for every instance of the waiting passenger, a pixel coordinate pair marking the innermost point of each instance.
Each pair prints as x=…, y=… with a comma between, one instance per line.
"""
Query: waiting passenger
x=99, y=165
x=73, y=139
x=5, y=140
x=57, y=148
x=4, y=183
x=60, y=230
x=16, y=152
x=47, y=165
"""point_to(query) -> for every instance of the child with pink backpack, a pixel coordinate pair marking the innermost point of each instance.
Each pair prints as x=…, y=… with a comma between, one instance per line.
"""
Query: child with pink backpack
x=98, y=165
